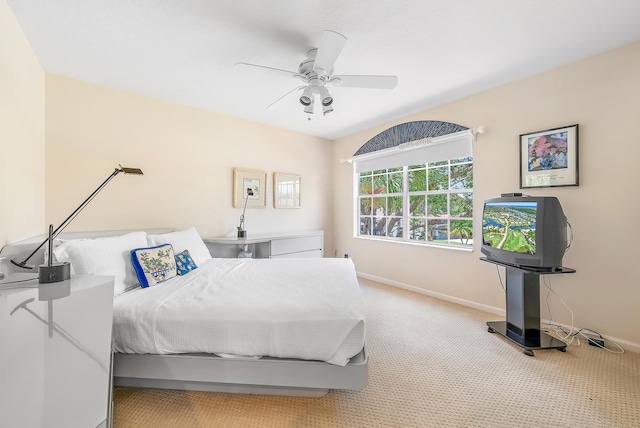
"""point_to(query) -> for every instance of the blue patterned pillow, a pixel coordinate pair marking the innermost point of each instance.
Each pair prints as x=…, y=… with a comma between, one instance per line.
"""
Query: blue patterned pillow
x=184, y=263
x=154, y=264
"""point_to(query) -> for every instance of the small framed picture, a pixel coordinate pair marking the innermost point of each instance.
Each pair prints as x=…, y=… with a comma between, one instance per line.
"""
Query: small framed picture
x=249, y=188
x=286, y=190
x=549, y=158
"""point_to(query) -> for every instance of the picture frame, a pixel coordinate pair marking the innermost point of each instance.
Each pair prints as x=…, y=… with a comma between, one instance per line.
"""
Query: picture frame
x=286, y=190
x=253, y=179
x=549, y=158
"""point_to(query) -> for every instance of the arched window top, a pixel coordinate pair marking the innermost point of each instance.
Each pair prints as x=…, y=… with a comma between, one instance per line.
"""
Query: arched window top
x=406, y=132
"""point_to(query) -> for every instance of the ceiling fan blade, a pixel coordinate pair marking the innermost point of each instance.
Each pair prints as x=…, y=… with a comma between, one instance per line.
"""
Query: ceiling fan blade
x=284, y=96
x=330, y=46
x=271, y=70
x=365, y=81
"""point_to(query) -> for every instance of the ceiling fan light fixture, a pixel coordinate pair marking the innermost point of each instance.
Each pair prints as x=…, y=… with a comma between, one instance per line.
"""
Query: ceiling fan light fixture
x=308, y=108
x=305, y=101
x=326, y=109
x=306, y=98
x=325, y=96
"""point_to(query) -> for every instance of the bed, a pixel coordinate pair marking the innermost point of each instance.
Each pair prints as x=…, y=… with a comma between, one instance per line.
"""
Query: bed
x=267, y=326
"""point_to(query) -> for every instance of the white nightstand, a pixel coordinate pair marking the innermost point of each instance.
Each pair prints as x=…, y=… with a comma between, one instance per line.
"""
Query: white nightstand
x=55, y=362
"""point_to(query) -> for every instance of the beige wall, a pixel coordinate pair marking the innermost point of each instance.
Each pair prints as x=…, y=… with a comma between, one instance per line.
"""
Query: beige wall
x=602, y=95
x=21, y=134
x=187, y=156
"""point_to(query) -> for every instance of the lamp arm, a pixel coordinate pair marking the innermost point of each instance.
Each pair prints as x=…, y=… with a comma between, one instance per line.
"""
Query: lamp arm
x=243, y=211
x=68, y=220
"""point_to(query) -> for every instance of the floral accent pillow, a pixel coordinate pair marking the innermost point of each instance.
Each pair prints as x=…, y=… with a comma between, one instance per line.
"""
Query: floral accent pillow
x=154, y=264
x=184, y=263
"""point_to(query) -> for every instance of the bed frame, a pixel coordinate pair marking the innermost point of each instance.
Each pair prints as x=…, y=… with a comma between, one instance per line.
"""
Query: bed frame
x=208, y=372
x=270, y=376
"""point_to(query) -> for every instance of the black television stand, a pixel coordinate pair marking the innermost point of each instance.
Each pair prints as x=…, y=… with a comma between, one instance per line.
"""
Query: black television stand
x=522, y=326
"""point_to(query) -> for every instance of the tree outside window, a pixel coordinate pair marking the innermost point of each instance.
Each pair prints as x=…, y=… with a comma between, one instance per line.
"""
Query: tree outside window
x=429, y=203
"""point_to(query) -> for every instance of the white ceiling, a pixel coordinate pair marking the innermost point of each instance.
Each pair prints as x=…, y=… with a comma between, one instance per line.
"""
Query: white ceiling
x=184, y=50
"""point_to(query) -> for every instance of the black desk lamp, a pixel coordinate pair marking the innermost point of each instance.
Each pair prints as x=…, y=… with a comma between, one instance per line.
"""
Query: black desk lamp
x=241, y=232
x=56, y=272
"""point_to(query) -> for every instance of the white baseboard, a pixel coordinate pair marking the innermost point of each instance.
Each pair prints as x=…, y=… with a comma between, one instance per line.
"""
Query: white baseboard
x=446, y=297
x=625, y=344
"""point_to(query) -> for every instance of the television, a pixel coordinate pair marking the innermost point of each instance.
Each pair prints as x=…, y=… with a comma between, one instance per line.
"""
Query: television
x=524, y=231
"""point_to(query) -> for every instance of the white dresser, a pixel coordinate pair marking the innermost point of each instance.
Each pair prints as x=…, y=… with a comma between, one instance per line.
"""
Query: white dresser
x=55, y=357
x=263, y=246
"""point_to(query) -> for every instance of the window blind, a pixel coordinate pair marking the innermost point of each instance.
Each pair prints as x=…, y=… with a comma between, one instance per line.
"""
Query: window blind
x=450, y=146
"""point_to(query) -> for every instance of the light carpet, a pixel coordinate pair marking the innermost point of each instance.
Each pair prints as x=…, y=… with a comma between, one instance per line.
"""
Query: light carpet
x=432, y=364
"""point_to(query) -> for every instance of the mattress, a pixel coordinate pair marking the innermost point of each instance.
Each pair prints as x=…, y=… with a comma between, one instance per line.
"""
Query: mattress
x=310, y=309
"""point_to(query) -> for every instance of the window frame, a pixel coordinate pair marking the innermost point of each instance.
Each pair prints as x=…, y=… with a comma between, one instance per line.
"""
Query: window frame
x=407, y=194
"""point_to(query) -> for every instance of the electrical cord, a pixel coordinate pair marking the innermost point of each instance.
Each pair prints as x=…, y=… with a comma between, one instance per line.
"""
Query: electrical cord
x=575, y=337
x=15, y=282
x=568, y=337
x=500, y=278
x=15, y=288
x=573, y=334
x=570, y=236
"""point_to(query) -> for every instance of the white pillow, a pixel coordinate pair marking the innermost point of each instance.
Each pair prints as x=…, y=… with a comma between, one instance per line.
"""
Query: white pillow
x=103, y=256
x=181, y=240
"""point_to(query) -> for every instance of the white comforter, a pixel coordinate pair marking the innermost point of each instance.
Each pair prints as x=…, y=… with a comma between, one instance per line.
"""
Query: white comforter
x=287, y=308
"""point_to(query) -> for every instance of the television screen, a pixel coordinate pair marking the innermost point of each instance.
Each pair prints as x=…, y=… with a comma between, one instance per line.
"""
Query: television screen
x=526, y=231
x=510, y=226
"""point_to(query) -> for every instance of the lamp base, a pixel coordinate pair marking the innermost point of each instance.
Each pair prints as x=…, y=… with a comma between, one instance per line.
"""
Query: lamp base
x=55, y=291
x=55, y=272
x=242, y=233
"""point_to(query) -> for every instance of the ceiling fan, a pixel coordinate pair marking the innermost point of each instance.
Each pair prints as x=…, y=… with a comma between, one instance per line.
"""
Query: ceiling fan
x=316, y=72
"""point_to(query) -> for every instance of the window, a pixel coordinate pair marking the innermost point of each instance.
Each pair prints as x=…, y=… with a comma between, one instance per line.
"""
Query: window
x=416, y=186
x=428, y=203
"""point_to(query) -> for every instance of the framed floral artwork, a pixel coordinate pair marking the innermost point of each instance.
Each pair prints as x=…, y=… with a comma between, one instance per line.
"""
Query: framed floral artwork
x=549, y=158
x=249, y=188
x=286, y=190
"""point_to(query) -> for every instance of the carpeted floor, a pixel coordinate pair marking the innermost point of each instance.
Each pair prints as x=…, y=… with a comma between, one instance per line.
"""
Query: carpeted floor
x=432, y=364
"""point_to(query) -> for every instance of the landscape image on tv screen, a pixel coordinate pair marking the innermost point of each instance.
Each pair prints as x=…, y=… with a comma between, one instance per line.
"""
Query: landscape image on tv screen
x=510, y=226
